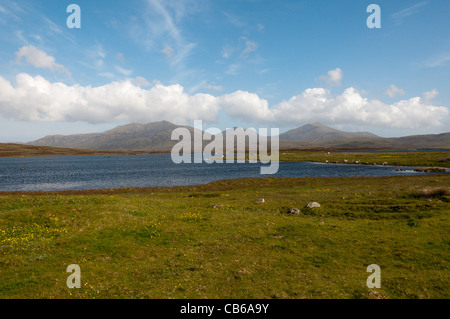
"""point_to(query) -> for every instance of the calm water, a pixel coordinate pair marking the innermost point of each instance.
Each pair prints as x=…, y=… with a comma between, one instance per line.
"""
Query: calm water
x=93, y=172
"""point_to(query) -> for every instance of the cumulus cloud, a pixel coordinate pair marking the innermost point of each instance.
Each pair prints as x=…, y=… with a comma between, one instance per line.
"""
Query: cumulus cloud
x=430, y=95
x=333, y=78
x=246, y=106
x=393, y=91
x=351, y=107
x=36, y=99
x=141, y=81
x=39, y=59
x=319, y=105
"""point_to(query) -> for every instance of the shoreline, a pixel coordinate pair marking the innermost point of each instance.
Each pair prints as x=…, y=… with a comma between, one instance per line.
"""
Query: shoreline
x=15, y=150
x=219, y=185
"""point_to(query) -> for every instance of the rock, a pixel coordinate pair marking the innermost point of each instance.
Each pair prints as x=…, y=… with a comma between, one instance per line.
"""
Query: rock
x=356, y=162
x=313, y=205
x=294, y=211
x=261, y=200
x=326, y=161
x=345, y=161
x=385, y=163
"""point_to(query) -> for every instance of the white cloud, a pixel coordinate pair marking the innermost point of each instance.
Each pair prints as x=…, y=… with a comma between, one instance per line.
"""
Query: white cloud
x=227, y=51
x=234, y=20
x=36, y=99
x=168, y=50
x=123, y=71
x=159, y=27
x=430, y=95
x=213, y=87
x=233, y=69
x=402, y=14
x=393, y=91
x=333, y=78
x=107, y=75
x=96, y=55
x=250, y=46
x=319, y=105
x=440, y=60
x=20, y=36
x=39, y=59
x=52, y=26
x=247, y=106
x=141, y=81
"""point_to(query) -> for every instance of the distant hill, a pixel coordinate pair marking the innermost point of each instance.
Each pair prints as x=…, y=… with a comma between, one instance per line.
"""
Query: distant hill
x=407, y=142
x=142, y=137
x=156, y=137
x=319, y=132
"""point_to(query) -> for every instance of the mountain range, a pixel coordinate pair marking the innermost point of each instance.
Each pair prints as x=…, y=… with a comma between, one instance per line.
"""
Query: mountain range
x=157, y=137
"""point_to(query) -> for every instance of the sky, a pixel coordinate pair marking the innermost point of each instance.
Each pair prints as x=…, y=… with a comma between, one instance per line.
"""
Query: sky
x=248, y=63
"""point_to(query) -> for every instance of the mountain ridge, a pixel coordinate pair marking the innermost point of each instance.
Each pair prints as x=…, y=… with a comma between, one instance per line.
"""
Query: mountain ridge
x=156, y=136
x=320, y=132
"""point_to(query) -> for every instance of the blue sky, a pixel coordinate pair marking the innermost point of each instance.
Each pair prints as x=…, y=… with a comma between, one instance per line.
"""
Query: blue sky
x=229, y=63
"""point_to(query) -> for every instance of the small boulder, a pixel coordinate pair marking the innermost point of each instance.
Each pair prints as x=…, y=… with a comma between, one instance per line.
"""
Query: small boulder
x=261, y=200
x=313, y=205
x=294, y=211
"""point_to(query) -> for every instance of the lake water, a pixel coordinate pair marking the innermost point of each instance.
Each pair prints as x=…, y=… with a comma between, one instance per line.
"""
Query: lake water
x=94, y=172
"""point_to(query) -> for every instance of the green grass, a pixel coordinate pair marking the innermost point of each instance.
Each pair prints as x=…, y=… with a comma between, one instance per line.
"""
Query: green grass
x=171, y=243
x=435, y=159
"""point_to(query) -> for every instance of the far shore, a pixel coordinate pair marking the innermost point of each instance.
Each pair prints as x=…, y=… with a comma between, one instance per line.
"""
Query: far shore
x=427, y=159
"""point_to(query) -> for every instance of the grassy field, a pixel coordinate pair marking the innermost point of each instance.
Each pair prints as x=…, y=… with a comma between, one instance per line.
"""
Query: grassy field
x=172, y=243
x=429, y=159
x=23, y=150
x=423, y=159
